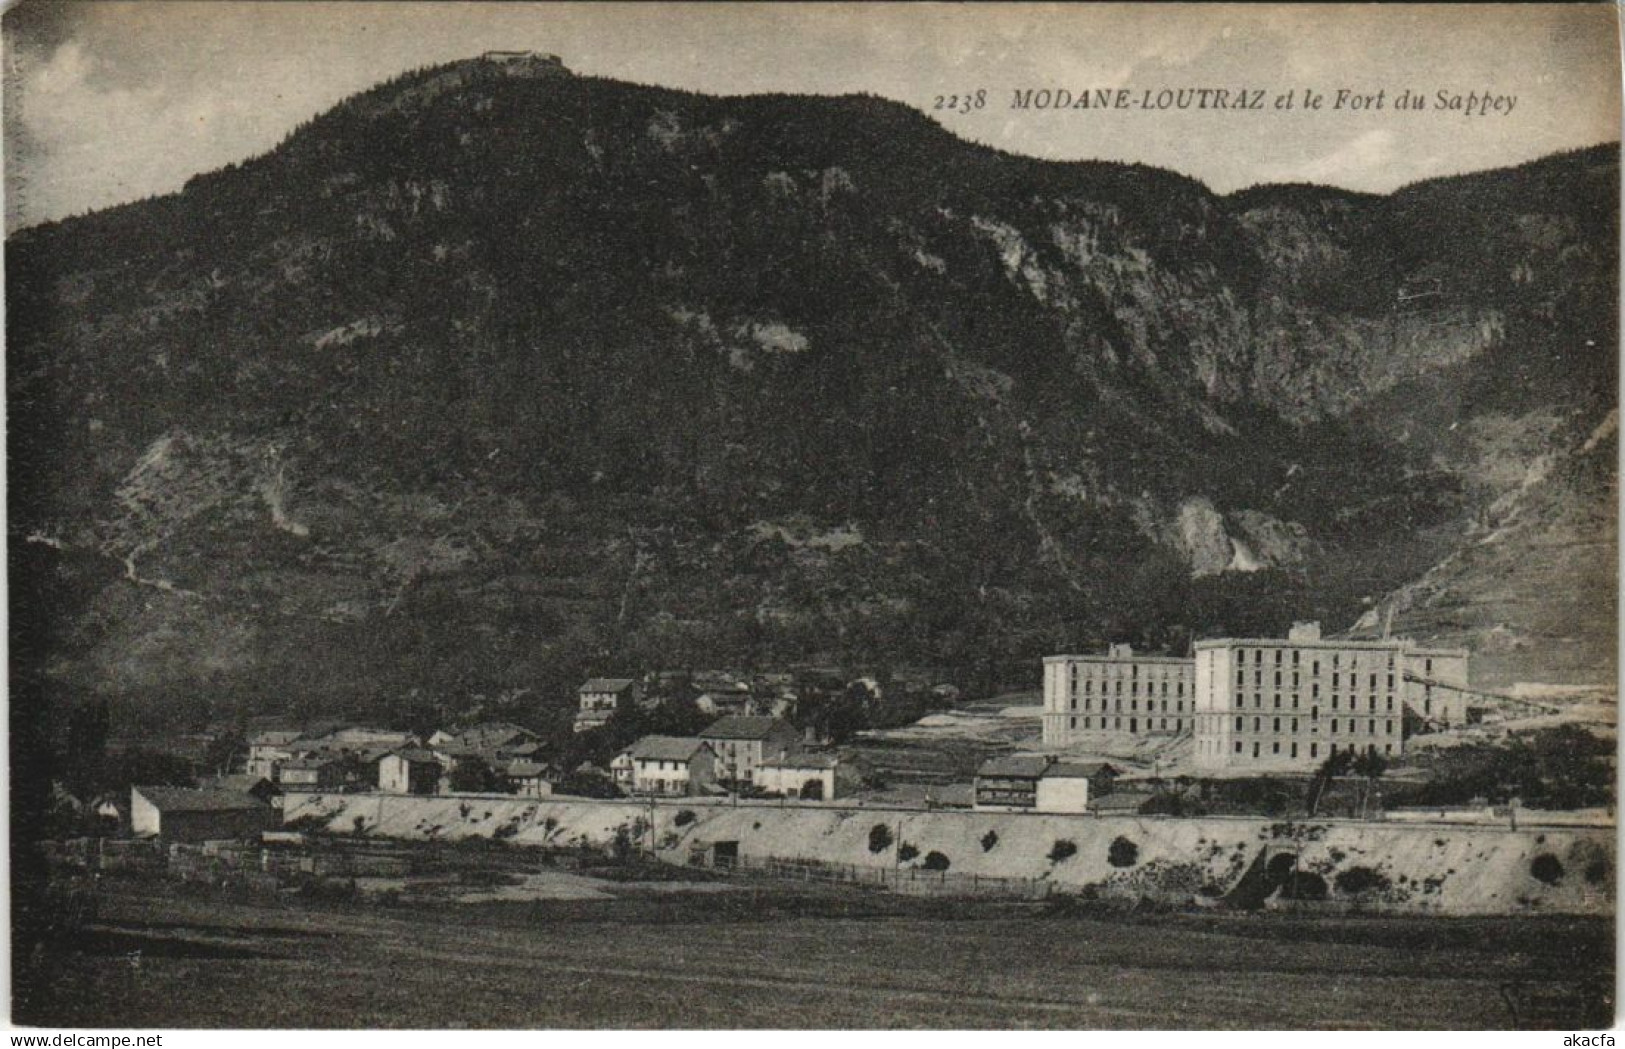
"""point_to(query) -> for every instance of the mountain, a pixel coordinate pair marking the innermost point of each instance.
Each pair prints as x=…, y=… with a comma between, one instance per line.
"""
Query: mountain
x=495, y=374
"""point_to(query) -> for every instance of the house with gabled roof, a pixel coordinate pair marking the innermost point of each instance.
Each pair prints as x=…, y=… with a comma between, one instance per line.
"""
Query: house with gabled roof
x=599, y=697
x=409, y=770
x=267, y=750
x=318, y=770
x=807, y=776
x=1040, y=783
x=674, y=765
x=197, y=813
x=530, y=779
x=743, y=742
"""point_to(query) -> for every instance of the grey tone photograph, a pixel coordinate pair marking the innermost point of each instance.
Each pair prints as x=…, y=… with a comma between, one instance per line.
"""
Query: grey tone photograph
x=811, y=516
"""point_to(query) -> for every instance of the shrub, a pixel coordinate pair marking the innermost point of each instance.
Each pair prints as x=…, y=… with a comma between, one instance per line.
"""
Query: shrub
x=1360, y=879
x=1597, y=871
x=1062, y=849
x=935, y=861
x=1122, y=852
x=1547, y=868
x=684, y=817
x=880, y=838
x=906, y=852
x=1172, y=805
x=990, y=839
x=1305, y=885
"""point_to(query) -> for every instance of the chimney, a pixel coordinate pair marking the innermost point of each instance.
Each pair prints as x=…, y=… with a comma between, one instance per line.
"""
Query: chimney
x=1122, y=650
x=1304, y=630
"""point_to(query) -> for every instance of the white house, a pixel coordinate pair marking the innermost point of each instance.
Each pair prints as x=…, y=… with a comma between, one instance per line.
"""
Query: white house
x=811, y=777
x=599, y=697
x=268, y=750
x=408, y=771
x=742, y=743
x=671, y=765
x=197, y=814
x=530, y=779
x=1064, y=787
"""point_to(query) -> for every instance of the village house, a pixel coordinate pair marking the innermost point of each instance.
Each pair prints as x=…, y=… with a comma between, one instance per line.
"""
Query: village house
x=315, y=771
x=409, y=770
x=599, y=697
x=620, y=769
x=671, y=765
x=245, y=783
x=1120, y=803
x=499, y=739
x=1040, y=783
x=267, y=750
x=717, y=704
x=810, y=777
x=1066, y=786
x=197, y=814
x=530, y=779
x=741, y=743
x=112, y=813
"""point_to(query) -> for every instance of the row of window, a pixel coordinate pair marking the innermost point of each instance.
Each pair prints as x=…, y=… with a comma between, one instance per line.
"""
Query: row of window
x=1297, y=658
x=1239, y=702
x=657, y=765
x=1133, y=687
x=1353, y=723
x=1133, y=705
x=1102, y=724
x=1337, y=680
x=1292, y=749
x=1116, y=670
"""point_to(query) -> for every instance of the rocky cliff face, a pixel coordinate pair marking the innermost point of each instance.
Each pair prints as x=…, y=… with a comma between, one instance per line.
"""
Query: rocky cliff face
x=484, y=378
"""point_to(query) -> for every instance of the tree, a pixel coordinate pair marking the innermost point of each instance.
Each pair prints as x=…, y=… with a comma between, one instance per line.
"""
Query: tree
x=1335, y=765
x=86, y=748
x=1369, y=766
x=223, y=751
x=474, y=775
x=587, y=785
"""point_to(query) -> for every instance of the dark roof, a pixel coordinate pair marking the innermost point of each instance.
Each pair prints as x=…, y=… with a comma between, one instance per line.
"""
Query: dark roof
x=607, y=684
x=740, y=726
x=243, y=782
x=666, y=748
x=1029, y=766
x=415, y=755
x=1079, y=769
x=274, y=738
x=1119, y=801
x=317, y=760
x=527, y=769
x=199, y=799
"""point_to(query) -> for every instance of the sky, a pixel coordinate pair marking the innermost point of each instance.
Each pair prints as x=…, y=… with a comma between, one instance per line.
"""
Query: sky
x=106, y=102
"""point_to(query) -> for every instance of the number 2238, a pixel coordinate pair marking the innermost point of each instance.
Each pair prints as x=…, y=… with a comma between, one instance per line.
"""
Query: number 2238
x=965, y=103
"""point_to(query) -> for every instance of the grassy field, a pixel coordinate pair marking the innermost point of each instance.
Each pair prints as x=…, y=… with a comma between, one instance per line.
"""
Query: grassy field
x=784, y=957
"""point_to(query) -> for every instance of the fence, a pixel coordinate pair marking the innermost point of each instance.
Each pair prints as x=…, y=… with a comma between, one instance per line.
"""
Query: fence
x=909, y=880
